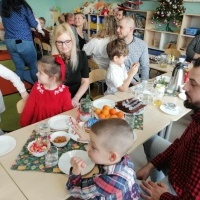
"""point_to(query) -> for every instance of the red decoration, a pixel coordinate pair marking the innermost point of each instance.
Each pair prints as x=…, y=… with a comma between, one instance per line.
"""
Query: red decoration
x=62, y=64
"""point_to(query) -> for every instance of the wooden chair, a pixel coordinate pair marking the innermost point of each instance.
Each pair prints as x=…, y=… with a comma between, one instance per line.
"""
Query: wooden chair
x=174, y=52
x=92, y=64
x=38, y=45
x=46, y=48
x=20, y=105
x=95, y=76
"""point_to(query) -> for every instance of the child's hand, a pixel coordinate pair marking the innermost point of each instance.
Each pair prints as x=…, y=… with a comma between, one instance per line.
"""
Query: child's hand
x=80, y=131
x=78, y=165
x=133, y=70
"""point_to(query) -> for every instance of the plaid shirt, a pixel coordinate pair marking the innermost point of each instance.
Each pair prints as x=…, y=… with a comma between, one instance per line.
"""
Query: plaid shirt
x=183, y=161
x=114, y=182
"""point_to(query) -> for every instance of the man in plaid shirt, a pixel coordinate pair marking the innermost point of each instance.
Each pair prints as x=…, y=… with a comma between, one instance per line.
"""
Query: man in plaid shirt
x=181, y=159
x=110, y=140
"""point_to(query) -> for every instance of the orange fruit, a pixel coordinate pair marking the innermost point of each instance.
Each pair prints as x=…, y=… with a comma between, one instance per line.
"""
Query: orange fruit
x=112, y=111
x=105, y=112
x=106, y=107
x=101, y=116
x=120, y=114
x=113, y=116
x=98, y=111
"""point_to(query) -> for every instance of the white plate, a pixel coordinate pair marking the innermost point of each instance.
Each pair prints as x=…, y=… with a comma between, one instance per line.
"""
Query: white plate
x=182, y=96
x=169, y=111
x=99, y=103
x=7, y=144
x=64, y=161
x=60, y=122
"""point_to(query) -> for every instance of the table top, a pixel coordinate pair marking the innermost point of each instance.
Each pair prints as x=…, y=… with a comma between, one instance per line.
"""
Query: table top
x=157, y=67
x=38, y=185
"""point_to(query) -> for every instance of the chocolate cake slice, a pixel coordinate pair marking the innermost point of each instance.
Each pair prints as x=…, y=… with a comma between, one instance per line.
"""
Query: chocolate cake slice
x=130, y=105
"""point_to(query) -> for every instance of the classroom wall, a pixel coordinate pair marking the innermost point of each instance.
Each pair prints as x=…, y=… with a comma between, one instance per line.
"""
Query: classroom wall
x=41, y=8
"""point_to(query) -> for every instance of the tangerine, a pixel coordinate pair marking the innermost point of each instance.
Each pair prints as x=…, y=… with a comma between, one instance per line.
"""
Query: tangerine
x=120, y=114
x=98, y=111
x=113, y=116
x=105, y=112
x=106, y=107
x=112, y=111
x=101, y=116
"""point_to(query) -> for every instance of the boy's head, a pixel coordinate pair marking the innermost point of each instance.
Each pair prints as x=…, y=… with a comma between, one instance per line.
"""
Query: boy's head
x=117, y=49
x=110, y=139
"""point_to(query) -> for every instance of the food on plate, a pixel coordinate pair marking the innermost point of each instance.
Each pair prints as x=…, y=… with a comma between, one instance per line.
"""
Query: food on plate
x=39, y=145
x=60, y=139
x=108, y=112
x=130, y=105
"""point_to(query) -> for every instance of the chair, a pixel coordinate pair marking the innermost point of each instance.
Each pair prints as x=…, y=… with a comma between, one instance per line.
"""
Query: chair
x=20, y=105
x=38, y=45
x=95, y=76
x=46, y=48
x=174, y=52
x=92, y=64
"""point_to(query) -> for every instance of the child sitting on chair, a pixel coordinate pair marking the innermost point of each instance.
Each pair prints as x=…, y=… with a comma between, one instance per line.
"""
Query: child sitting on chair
x=117, y=78
x=109, y=142
x=48, y=96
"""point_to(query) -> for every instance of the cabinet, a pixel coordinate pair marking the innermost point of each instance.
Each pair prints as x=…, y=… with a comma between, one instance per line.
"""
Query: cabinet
x=94, y=23
x=189, y=20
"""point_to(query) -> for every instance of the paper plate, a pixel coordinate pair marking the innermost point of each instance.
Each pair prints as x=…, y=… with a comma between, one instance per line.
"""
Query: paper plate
x=182, y=96
x=64, y=161
x=99, y=103
x=169, y=111
x=60, y=122
x=7, y=144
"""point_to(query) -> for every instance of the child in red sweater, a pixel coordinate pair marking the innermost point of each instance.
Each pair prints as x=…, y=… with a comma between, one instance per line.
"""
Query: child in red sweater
x=48, y=96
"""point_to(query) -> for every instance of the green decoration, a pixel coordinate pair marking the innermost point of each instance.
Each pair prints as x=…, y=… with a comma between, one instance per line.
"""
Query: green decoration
x=169, y=11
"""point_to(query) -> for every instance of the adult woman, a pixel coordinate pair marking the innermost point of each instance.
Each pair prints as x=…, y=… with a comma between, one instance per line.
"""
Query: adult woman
x=80, y=23
x=18, y=19
x=69, y=18
x=96, y=47
x=77, y=72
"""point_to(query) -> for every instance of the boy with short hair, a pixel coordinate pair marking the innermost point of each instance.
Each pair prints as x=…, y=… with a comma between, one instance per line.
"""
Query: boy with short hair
x=110, y=140
x=117, y=78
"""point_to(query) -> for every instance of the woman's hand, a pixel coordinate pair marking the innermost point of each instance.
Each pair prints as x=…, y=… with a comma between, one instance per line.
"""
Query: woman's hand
x=143, y=173
x=78, y=165
x=24, y=95
x=75, y=101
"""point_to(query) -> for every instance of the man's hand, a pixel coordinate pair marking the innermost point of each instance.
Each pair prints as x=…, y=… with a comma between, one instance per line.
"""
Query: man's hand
x=143, y=173
x=78, y=165
x=154, y=190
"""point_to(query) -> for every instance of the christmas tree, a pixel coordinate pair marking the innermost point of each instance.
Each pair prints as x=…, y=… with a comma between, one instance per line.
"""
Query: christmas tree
x=169, y=11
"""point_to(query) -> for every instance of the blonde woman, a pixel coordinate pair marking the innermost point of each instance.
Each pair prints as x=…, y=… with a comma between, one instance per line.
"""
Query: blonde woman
x=77, y=71
x=80, y=23
x=96, y=47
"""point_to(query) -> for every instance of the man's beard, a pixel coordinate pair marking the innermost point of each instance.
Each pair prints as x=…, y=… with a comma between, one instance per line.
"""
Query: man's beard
x=193, y=106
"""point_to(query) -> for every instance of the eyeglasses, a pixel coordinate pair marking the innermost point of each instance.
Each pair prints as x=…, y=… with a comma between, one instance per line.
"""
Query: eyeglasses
x=60, y=43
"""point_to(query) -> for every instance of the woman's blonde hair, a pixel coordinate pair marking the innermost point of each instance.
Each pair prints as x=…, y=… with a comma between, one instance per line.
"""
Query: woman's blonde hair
x=85, y=25
x=109, y=27
x=58, y=31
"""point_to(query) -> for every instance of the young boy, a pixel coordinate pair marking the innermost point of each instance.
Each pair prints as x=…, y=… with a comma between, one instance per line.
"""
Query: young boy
x=117, y=78
x=110, y=140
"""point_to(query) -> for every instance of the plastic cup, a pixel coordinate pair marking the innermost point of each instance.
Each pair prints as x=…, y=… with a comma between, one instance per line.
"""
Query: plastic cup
x=51, y=158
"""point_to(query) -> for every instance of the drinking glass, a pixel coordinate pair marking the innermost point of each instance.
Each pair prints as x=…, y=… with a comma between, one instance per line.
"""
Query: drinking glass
x=43, y=129
x=130, y=118
x=51, y=158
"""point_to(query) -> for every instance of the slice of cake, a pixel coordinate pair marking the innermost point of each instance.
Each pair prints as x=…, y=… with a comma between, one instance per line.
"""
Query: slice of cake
x=130, y=105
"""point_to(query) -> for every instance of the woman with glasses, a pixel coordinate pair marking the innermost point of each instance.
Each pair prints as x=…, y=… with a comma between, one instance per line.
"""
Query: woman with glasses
x=77, y=70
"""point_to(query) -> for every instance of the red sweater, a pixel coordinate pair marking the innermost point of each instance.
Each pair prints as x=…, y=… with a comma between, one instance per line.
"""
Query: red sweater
x=183, y=161
x=42, y=103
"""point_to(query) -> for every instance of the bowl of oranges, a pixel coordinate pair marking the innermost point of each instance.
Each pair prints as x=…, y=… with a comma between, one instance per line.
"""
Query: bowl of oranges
x=108, y=112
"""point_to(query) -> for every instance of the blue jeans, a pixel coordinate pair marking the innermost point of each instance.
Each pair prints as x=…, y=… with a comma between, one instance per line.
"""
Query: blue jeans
x=23, y=54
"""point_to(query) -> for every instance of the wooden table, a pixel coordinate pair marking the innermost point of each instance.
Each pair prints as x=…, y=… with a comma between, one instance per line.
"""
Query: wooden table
x=157, y=67
x=41, y=186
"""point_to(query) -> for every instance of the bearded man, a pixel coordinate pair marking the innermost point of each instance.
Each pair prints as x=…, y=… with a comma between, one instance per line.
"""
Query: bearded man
x=179, y=160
